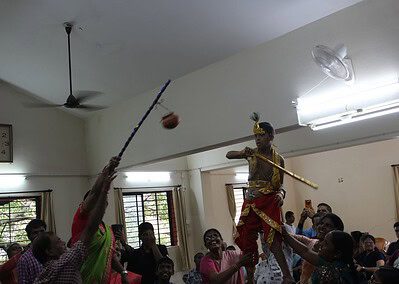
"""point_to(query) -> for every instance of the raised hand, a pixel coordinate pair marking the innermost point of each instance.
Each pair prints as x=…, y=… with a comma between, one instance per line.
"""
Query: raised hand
x=284, y=232
x=112, y=165
x=108, y=178
x=279, y=199
x=248, y=152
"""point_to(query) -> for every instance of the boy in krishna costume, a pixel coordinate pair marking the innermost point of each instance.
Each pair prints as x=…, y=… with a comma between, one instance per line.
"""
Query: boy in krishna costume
x=264, y=197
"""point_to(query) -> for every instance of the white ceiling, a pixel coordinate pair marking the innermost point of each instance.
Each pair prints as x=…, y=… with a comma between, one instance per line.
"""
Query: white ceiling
x=123, y=48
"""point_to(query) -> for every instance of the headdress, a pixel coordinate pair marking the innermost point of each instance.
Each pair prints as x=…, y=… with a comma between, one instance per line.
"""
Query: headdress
x=257, y=129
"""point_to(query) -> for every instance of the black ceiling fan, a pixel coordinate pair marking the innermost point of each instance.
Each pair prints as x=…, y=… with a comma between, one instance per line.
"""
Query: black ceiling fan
x=75, y=99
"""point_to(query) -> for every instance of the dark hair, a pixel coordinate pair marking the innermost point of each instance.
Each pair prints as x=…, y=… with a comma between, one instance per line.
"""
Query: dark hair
x=40, y=245
x=198, y=254
x=396, y=225
x=116, y=227
x=343, y=242
x=268, y=127
x=356, y=235
x=145, y=227
x=34, y=224
x=215, y=230
x=288, y=213
x=317, y=215
x=388, y=274
x=367, y=236
x=335, y=219
x=165, y=259
x=86, y=194
x=326, y=205
x=9, y=248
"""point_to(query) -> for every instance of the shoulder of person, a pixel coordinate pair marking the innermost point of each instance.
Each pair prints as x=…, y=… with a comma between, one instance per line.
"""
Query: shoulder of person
x=380, y=255
x=163, y=249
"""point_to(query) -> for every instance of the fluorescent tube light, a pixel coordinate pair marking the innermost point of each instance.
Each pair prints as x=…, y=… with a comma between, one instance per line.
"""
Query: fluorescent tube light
x=148, y=176
x=362, y=116
x=11, y=180
x=326, y=111
x=242, y=176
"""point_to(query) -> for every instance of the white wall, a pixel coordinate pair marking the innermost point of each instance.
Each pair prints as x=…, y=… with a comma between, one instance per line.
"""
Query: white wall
x=214, y=102
x=49, y=147
x=365, y=198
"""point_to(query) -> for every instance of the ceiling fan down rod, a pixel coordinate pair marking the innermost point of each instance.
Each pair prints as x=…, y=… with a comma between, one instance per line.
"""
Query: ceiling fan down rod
x=68, y=28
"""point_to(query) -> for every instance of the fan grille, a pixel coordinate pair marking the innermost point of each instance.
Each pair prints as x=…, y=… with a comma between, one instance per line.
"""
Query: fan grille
x=330, y=62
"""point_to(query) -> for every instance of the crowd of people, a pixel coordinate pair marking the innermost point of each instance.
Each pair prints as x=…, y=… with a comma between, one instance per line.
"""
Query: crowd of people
x=324, y=253
x=95, y=253
x=99, y=253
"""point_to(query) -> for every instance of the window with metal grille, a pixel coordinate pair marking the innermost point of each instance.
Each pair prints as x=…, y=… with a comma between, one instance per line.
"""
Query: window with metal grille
x=239, y=194
x=155, y=208
x=15, y=214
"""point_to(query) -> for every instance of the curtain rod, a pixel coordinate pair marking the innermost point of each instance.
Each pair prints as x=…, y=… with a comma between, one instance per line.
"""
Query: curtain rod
x=147, y=187
x=396, y=165
x=34, y=191
x=235, y=183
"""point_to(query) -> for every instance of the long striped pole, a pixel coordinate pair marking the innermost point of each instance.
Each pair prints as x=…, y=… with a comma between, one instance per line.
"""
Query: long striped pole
x=143, y=118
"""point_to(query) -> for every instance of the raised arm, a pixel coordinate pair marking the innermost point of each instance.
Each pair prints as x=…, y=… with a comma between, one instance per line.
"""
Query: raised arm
x=224, y=276
x=243, y=154
x=97, y=213
x=303, y=251
x=91, y=200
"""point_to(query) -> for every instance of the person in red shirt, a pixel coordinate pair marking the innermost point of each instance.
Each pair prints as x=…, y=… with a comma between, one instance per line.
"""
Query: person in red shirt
x=101, y=258
x=8, y=271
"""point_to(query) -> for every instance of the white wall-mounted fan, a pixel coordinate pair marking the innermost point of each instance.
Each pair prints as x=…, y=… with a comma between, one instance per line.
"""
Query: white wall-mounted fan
x=335, y=63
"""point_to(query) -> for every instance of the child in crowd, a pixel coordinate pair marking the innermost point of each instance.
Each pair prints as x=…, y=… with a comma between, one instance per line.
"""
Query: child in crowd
x=165, y=270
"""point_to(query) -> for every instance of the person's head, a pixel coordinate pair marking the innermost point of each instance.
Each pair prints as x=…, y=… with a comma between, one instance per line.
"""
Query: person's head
x=289, y=217
x=368, y=242
x=329, y=222
x=337, y=245
x=356, y=235
x=316, y=219
x=324, y=208
x=213, y=240
x=165, y=269
x=231, y=248
x=385, y=275
x=48, y=246
x=13, y=249
x=35, y=227
x=396, y=228
x=197, y=259
x=146, y=233
x=264, y=136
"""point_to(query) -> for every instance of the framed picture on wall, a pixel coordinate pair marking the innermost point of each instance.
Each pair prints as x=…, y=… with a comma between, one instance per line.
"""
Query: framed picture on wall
x=5, y=143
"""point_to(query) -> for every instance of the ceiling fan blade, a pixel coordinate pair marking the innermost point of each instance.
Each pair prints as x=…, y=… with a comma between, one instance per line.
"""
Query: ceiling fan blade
x=40, y=105
x=83, y=96
x=90, y=107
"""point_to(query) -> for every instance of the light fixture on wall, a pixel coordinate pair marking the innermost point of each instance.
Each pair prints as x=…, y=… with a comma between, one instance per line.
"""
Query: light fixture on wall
x=321, y=112
x=148, y=176
x=242, y=176
x=11, y=180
